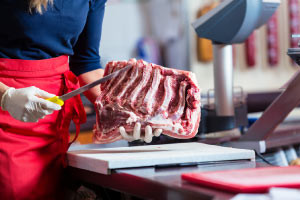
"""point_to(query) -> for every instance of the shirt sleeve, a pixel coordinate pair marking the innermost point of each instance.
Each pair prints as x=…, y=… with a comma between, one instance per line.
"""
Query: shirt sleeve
x=86, y=50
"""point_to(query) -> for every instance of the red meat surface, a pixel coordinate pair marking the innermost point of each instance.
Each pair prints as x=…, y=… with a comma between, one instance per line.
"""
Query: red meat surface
x=163, y=98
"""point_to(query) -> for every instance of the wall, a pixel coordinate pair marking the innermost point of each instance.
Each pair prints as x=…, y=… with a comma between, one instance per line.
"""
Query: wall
x=123, y=25
x=262, y=77
x=162, y=22
x=126, y=21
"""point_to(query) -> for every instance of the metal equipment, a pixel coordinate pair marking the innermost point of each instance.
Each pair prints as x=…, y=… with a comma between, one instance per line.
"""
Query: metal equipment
x=229, y=23
x=260, y=135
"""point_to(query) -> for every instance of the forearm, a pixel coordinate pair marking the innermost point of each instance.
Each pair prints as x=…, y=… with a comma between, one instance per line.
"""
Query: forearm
x=3, y=88
x=89, y=77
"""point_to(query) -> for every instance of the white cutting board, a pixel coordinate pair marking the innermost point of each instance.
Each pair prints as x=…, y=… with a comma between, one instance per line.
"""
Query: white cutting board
x=102, y=160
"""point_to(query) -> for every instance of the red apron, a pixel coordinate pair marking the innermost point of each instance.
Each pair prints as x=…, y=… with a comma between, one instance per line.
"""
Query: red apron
x=32, y=155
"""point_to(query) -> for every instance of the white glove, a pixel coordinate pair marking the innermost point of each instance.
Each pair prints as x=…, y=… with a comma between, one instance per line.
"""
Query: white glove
x=28, y=104
x=137, y=133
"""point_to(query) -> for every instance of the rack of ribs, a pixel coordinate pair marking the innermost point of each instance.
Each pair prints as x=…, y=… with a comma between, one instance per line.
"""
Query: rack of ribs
x=150, y=94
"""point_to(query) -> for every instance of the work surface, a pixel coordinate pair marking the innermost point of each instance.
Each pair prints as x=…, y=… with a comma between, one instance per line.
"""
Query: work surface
x=162, y=183
x=165, y=181
x=103, y=160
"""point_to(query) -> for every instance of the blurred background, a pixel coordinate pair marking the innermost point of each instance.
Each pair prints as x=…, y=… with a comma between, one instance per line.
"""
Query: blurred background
x=160, y=31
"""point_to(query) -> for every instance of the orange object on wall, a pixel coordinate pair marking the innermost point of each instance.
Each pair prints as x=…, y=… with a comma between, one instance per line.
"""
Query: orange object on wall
x=204, y=46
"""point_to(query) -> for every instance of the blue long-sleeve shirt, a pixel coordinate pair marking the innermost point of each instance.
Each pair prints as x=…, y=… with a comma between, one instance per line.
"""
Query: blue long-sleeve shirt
x=69, y=27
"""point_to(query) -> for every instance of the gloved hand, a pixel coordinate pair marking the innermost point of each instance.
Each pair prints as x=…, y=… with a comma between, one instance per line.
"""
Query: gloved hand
x=28, y=104
x=137, y=133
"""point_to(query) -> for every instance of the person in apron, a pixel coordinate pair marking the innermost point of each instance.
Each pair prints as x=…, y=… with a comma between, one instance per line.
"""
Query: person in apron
x=47, y=48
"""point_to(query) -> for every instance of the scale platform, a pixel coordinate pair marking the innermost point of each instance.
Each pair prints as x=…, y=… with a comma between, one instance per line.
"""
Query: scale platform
x=103, y=160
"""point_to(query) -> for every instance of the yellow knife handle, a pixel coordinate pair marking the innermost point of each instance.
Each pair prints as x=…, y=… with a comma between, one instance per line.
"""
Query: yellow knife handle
x=56, y=100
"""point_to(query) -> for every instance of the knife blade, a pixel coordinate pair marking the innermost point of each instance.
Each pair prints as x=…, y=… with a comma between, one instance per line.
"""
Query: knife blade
x=60, y=99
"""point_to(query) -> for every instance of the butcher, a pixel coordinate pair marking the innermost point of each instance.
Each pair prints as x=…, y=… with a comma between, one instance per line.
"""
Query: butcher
x=47, y=48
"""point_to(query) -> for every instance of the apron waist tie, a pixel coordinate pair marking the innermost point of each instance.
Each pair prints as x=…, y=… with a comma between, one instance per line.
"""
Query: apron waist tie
x=65, y=140
x=73, y=108
x=76, y=134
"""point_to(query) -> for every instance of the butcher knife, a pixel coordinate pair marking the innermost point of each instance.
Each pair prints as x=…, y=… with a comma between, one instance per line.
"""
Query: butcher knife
x=60, y=99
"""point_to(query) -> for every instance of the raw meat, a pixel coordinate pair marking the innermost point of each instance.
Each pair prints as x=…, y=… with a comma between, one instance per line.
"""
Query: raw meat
x=163, y=98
